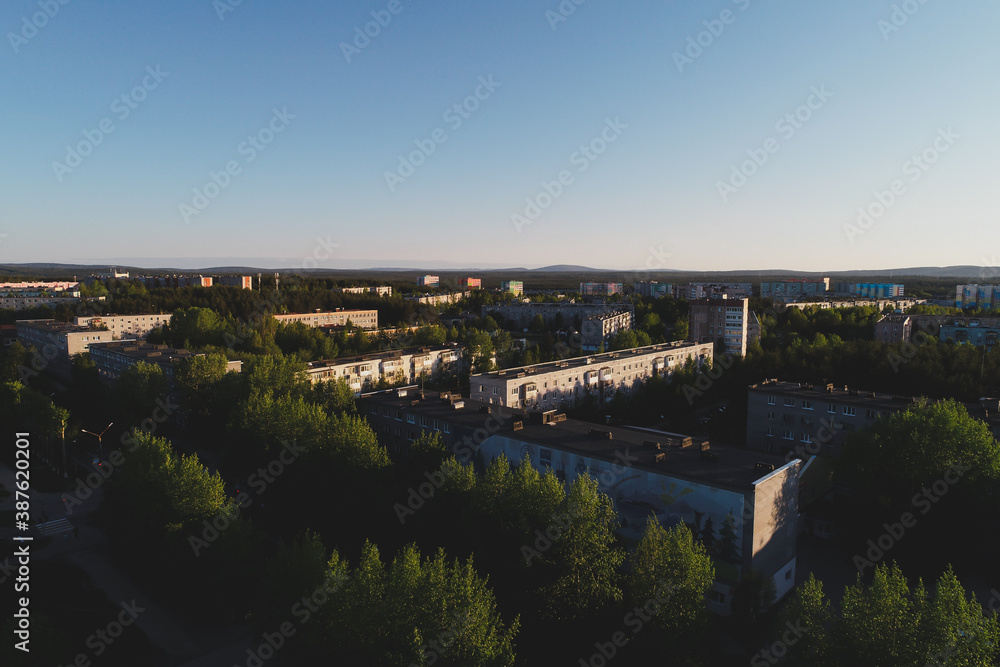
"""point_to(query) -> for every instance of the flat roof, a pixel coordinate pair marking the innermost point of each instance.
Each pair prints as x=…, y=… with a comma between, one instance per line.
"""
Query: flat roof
x=141, y=350
x=730, y=467
x=387, y=354
x=593, y=359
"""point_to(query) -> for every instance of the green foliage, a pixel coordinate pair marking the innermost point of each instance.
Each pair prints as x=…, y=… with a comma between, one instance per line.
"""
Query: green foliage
x=335, y=396
x=138, y=388
x=412, y=611
x=673, y=569
x=894, y=458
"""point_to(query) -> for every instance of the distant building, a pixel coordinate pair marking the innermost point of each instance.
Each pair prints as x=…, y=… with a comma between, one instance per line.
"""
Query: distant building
x=470, y=283
x=243, y=282
x=382, y=290
x=364, y=372
x=975, y=296
x=125, y=326
x=428, y=281
x=693, y=291
x=977, y=331
x=791, y=290
x=56, y=343
x=177, y=282
x=113, y=359
x=742, y=505
x=438, y=299
x=895, y=328
x=515, y=287
x=600, y=289
x=8, y=333
x=550, y=385
x=111, y=274
x=652, y=289
x=20, y=296
x=721, y=320
x=363, y=319
x=559, y=315
x=870, y=290
x=597, y=330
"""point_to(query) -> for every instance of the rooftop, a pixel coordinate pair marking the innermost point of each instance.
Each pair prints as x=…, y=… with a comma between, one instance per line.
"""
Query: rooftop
x=666, y=453
x=387, y=354
x=581, y=362
x=144, y=351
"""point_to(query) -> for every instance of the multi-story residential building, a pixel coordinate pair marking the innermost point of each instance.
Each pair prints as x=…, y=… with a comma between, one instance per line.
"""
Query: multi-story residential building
x=597, y=330
x=243, y=282
x=470, y=283
x=20, y=296
x=515, y=287
x=438, y=299
x=721, y=320
x=113, y=359
x=365, y=372
x=894, y=328
x=556, y=315
x=382, y=290
x=8, y=333
x=551, y=385
x=977, y=296
x=56, y=343
x=125, y=326
x=176, y=281
x=693, y=291
x=652, y=289
x=428, y=281
x=977, y=331
x=363, y=319
x=790, y=290
x=742, y=505
x=62, y=288
x=600, y=289
x=869, y=290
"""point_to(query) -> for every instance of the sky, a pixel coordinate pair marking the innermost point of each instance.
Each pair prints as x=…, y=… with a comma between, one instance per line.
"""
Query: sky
x=722, y=135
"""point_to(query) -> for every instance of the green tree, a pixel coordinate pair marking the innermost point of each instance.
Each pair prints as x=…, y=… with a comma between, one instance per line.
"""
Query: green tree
x=138, y=388
x=412, y=611
x=670, y=567
x=809, y=612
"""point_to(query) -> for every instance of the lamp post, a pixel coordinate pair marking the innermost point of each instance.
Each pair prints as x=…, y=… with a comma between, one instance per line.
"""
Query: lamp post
x=100, y=447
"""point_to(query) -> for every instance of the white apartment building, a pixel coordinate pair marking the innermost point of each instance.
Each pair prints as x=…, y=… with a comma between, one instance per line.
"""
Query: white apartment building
x=363, y=372
x=124, y=327
x=364, y=319
x=550, y=385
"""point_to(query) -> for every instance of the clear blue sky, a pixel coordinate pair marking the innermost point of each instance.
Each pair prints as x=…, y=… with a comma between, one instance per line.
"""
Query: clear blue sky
x=657, y=185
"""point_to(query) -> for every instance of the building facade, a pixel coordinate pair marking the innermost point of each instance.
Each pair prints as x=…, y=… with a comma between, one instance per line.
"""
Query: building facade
x=515, y=287
x=395, y=367
x=556, y=315
x=55, y=343
x=721, y=320
x=600, y=289
x=977, y=331
x=243, y=282
x=428, y=281
x=895, y=328
x=383, y=290
x=555, y=384
x=791, y=290
x=742, y=505
x=652, y=289
x=693, y=291
x=125, y=326
x=977, y=296
x=597, y=330
x=438, y=299
x=364, y=319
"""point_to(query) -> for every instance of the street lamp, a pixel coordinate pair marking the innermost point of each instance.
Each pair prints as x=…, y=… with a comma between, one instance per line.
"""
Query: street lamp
x=100, y=447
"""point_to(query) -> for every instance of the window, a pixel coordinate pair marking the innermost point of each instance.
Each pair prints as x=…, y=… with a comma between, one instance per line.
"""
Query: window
x=717, y=597
x=410, y=419
x=423, y=422
x=807, y=405
x=789, y=402
x=495, y=391
x=545, y=457
x=769, y=432
x=770, y=400
x=447, y=427
x=850, y=410
x=831, y=408
x=787, y=435
x=805, y=438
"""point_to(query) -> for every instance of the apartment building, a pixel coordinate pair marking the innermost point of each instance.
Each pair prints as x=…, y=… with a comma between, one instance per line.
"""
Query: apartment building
x=364, y=319
x=428, y=281
x=722, y=320
x=693, y=291
x=600, y=289
x=243, y=282
x=556, y=315
x=977, y=331
x=742, y=505
x=977, y=296
x=869, y=290
x=114, y=358
x=62, y=288
x=515, y=287
x=597, y=330
x=552, y=385
x=439, y=299
x=365, y=372
x=381, y=290
x=791, y=290
x=895, y=328
x=56, y=343
x=176, y=281
x=125, y=326
x=23, y=295
x=652, y=289
x=470, y=283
